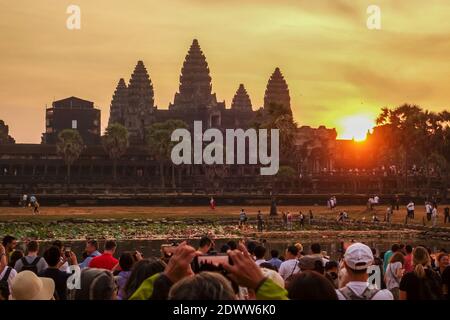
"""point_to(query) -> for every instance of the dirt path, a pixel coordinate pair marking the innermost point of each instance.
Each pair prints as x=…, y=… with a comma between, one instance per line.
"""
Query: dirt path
x=141, y=212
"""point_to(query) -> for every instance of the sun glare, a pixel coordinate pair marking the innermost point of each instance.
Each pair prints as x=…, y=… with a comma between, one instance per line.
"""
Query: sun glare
x=356, y=127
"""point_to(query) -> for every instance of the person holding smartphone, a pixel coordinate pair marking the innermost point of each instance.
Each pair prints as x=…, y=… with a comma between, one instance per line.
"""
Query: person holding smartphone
x=53, y=258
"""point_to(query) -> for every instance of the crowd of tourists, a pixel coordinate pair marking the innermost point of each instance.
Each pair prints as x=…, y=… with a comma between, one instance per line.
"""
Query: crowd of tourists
x=243, y=270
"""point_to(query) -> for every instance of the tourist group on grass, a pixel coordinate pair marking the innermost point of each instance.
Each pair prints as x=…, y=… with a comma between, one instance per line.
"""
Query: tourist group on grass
x=238, y=270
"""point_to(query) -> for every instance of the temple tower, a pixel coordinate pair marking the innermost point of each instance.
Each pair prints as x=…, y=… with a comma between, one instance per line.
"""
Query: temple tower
x=140, y=103
x=241, y=100
x=119, y=103
x=195, y=81
x=5, y=138
x=140, y=89
x=277, y=91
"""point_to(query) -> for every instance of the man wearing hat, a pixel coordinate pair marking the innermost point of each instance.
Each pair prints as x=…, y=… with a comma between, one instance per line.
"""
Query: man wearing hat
x=28, y=286
x=358, y=257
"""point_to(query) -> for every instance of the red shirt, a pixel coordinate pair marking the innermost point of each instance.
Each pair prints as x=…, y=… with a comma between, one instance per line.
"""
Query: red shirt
x=408, y=266
x=104, y=261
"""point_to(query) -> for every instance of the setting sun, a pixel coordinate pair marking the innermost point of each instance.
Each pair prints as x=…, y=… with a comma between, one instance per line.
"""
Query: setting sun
x=356, y=127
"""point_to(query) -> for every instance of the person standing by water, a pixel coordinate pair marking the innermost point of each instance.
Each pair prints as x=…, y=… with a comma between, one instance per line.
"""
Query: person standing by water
x=397, y=202
x=36, y=208
x=242, y=219
x=289, y=221
x=260, y=221
x=446, y=215
x=388, y=216
x=33, y=199
x=410, y=209
x=302, y=220
x=212, y=203
x=24, y=201
x=434, y=216
x=284, y=218
x=428, y=210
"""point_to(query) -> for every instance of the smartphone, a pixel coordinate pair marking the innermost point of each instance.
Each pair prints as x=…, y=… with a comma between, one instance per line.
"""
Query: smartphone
x=136, y=253
x=67, y=251
x=212, y=263
x=168, y=249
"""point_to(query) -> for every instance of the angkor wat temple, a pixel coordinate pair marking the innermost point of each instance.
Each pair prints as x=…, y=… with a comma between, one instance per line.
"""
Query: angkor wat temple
x=134, y=107
x=322, y=168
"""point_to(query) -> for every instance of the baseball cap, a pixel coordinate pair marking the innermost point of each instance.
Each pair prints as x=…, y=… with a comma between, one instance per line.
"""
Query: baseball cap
x=358, y=256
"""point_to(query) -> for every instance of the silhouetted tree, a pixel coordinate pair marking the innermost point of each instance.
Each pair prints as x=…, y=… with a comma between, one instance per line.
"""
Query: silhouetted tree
x=69, y=146
x=116, y=142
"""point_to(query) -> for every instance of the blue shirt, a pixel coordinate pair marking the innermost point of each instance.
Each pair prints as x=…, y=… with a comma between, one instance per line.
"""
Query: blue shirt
x=386, y=258
x=122, y=279
x=86, y=261
x=275, y=262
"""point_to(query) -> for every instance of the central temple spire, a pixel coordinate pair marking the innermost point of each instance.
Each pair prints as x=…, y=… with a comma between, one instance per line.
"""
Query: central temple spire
x=140, y=89
x=195, y=81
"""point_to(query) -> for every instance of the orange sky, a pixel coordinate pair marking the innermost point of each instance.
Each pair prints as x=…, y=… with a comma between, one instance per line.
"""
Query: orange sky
x=336, y=68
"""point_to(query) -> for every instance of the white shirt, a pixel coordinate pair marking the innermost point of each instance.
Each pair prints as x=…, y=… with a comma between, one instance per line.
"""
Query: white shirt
x=391, y=278
x=288, y=268
x=64, y=267
x=410, y=206
x=376, y=199
x=434, y=213
x=11, y=277
x=260, y=261
x=358, y=287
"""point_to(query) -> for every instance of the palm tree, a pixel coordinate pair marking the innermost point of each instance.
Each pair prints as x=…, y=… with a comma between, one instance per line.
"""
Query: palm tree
x=159, y=144
x=276, y=116
x=116, y=142
x=69, y=146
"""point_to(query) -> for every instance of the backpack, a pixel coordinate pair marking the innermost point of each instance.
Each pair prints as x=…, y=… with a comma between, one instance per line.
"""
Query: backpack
x=367, y=294
x=30, y=266
x=4, y=285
